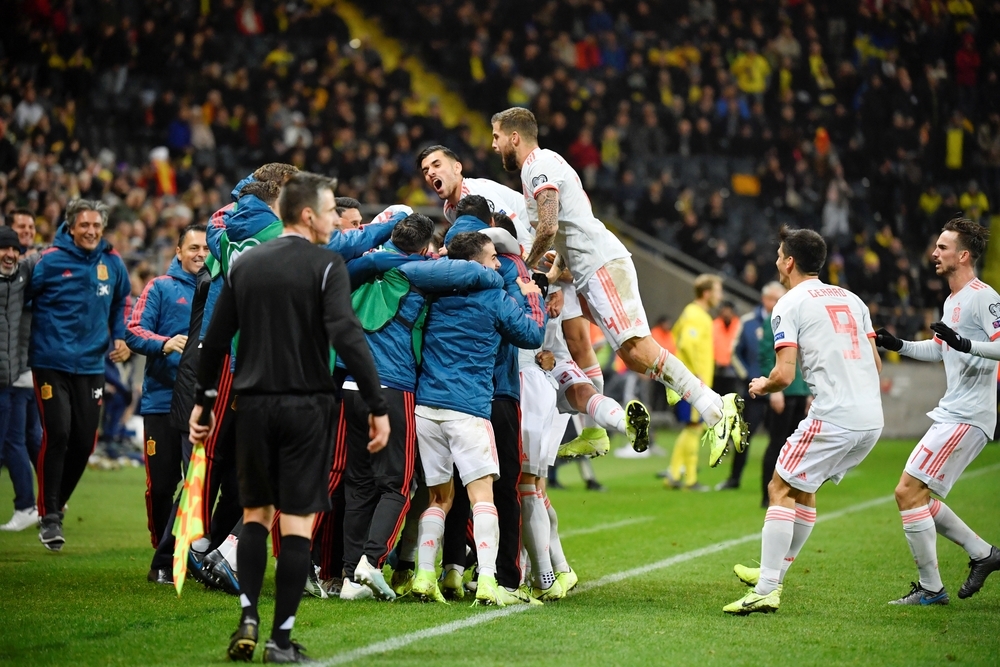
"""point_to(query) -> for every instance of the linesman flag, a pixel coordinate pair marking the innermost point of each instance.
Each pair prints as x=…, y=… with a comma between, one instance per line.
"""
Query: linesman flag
x=189, y=526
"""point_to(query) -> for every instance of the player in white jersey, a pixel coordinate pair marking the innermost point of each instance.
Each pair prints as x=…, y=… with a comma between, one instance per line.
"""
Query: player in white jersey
x=603, y=274
x=964, y=419
x=442, y=171
x=828, y=330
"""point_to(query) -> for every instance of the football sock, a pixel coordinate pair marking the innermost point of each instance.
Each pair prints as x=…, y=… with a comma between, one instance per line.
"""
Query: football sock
x=918, y=526
x=228, y=550
x=597, y=378
x=536, y=533
x=685, y=455
x=606, y=413
x=429, y=536
x=556, y=554
x=586, y=470
x=289, y=580
x=775, y=541
x=486, y=528
x=670, y=372
x=251, y=552
x=201, y=545
x=805, y=519
x=948, y=524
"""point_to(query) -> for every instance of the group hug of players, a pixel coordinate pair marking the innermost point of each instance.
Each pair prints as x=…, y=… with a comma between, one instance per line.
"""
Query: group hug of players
x=482, y=352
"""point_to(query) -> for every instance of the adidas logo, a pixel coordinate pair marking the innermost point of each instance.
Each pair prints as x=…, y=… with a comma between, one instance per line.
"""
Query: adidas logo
x=801, y=475
x=482, y=545
x=67, y=274
x=182, y=301
x=428, y=543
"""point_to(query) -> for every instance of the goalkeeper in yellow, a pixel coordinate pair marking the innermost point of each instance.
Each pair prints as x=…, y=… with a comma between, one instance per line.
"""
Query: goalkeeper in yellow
x=693, y=336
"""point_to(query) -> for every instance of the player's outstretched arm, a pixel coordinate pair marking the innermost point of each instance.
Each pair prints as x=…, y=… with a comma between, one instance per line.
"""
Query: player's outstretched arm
x=781, y=375
x=548, y=225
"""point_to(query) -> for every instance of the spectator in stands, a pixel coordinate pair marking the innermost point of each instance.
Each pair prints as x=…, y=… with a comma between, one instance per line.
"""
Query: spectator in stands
x=78, y=289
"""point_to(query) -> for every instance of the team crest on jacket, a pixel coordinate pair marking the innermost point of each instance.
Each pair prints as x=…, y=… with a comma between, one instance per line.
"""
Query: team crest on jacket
x=102, y=272
x=46, y=391
x=151, y=447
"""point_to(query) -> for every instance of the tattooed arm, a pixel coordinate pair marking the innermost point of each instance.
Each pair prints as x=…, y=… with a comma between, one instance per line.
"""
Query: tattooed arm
x=548, y=224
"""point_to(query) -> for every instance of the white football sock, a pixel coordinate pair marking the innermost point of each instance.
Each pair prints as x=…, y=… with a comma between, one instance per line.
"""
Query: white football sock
x=596, y=376
x=775, y=541
x=805, y=519
x=535, y=526
x=429, y=535
x=918, y=526
x=607, y=413
x=948, y=524
x=228, y=550
x=670, y=372
x=556, y=554
x=486, y=529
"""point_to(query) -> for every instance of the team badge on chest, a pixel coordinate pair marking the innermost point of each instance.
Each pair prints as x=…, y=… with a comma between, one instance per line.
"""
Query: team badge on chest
x=102, y=272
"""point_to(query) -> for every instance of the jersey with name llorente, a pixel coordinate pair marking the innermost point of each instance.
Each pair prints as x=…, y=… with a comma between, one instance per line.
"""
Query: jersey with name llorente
x=831, y=326
x=583, y=241
x=502, y=200
x=971, y=397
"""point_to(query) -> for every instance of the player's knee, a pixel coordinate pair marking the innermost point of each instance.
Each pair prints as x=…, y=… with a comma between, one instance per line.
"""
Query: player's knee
x=907, y=491
x=777, y=489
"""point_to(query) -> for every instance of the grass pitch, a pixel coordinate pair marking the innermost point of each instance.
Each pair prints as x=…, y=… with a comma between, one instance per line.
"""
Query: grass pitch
x=91, y=604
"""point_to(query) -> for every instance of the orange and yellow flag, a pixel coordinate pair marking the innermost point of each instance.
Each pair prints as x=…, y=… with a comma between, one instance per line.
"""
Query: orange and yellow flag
x=189, y=526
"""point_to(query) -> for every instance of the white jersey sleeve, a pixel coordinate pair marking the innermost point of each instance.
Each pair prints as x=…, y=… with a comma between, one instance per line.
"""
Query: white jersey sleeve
x=502, y=200
x=971, y=396
x=584, y=242
x=830, y=327
x=390, y=211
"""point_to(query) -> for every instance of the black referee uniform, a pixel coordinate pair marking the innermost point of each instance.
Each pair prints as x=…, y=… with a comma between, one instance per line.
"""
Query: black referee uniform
x=290, y=300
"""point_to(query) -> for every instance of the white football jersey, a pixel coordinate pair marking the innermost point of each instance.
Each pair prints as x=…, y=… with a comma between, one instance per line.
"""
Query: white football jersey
x=554, y=342
x=971, y=397
x=584, y=242
x=503, y=200
x=831, y=326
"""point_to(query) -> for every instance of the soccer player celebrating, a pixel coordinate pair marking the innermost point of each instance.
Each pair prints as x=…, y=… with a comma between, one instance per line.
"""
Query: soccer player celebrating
x=963, y=418
x=454, y=395
x=823, y=326
x=603, y=274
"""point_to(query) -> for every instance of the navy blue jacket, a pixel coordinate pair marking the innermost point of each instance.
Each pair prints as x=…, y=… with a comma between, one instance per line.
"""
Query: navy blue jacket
x=506, y=373
x=79, y=300
x=749, y=342
x=392, y=347
x=162, y=312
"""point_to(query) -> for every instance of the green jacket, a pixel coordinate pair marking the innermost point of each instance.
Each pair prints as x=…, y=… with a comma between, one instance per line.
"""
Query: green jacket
x=765, y=353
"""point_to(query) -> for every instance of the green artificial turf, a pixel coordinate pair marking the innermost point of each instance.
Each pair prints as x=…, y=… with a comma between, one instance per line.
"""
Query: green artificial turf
x=91, y=604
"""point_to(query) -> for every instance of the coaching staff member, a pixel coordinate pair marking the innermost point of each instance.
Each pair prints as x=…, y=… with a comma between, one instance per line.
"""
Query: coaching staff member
x=290, y=300
x=79, y=288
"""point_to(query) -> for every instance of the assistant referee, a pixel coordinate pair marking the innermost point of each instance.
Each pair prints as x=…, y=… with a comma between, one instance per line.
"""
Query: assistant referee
x=290, y=300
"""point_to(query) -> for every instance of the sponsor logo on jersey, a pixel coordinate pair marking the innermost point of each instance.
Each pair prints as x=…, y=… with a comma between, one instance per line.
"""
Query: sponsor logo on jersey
x=102, y=272
x=538, y=180
x=104, y=290
x=779, y=336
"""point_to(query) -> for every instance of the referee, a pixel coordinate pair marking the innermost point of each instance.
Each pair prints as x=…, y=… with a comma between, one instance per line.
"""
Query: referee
x=290, y=300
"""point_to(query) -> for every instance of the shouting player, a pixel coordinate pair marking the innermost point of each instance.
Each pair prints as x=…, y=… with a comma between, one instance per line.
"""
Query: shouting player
x=603, y=274
x=963, y=418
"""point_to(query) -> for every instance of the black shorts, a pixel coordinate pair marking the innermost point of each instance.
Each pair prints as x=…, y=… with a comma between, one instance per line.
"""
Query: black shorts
x=284, y=444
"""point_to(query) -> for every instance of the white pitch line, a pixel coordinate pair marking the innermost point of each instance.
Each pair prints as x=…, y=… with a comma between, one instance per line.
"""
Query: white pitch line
x=605, y=526
x=395, y=643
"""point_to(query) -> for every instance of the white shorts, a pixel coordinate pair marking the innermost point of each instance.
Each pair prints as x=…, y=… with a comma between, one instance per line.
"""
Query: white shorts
x=566, y=374
x=943, y=454
x=612, y=295
x=538, y=409
x=467, y=443
x=571, y=303
x=553, y=438
x=820, y=451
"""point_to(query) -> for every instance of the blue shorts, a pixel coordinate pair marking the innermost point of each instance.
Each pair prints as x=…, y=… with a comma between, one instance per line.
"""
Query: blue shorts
x=683, y=411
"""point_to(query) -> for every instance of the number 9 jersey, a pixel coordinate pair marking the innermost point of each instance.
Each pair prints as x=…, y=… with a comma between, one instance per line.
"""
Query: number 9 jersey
x=831, y=326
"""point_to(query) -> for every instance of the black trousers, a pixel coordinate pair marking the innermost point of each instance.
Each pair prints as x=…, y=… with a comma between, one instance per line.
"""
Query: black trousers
x=754, y=413
x=781, y=428
x=458, y=528
x=164, y=470
x=163, y=557
x=220, y=471
x=377, y=486
x=506, y=420
x=70, y=410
